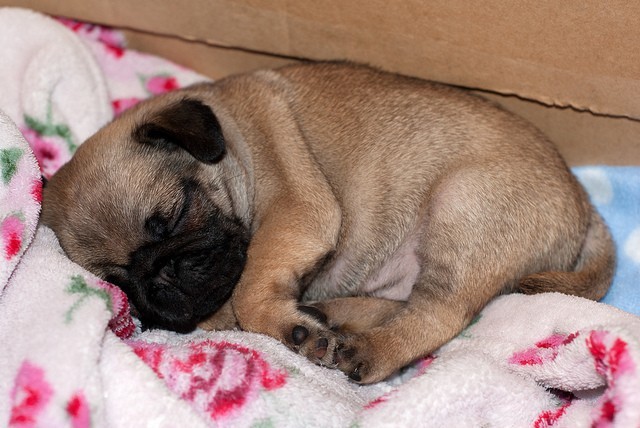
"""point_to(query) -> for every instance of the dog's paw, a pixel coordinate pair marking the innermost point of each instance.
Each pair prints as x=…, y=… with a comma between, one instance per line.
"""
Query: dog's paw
x=356, y=357
x=328, y=345
x=314, y=339
x=351, y=358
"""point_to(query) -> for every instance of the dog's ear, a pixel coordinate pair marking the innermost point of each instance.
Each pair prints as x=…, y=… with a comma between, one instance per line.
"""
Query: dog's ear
x=188, y=124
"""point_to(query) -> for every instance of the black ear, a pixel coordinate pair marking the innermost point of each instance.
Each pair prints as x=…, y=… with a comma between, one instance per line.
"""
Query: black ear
x=187, y=124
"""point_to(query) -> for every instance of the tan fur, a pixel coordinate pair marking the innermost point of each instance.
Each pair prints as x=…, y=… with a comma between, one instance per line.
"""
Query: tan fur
x=350, y=178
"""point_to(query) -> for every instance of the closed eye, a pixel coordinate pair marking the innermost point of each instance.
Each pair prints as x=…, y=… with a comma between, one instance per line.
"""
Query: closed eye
x=181, y=216
x=160, y=226
x=189, y=188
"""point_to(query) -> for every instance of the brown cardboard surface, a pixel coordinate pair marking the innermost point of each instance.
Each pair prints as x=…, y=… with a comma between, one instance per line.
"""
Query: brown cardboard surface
x=568, y=53
x=206, y=59
x=581, y=54
x=582, y=137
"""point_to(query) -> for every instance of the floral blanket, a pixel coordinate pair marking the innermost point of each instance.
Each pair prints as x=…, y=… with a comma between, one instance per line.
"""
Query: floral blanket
x=73, y=356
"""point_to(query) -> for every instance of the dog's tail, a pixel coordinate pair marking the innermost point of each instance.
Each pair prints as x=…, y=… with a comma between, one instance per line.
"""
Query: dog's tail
x=593, y=272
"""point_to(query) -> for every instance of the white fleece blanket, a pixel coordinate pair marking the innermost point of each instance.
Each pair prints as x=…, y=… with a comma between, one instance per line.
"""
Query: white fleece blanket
x=72, y=356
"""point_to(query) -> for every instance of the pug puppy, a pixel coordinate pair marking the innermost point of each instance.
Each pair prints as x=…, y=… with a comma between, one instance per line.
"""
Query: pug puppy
x=360, y=217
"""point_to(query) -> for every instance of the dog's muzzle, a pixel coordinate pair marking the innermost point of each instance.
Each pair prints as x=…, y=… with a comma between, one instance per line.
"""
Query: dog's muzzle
x=179, y=281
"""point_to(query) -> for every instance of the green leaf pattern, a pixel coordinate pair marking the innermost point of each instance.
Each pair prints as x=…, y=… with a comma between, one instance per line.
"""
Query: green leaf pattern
x=48, y=128
x=80, y=287
x=9, y=159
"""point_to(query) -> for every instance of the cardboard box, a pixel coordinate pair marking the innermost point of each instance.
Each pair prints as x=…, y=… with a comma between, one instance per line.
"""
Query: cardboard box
x=572, y=68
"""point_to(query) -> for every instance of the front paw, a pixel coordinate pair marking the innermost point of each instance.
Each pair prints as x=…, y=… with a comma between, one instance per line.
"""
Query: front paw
x=314, y=339
x=330, y=346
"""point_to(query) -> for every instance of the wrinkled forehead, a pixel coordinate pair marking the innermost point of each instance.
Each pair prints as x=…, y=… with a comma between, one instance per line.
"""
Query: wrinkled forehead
x=124, y=172
x=116, y=191
x=132, y=169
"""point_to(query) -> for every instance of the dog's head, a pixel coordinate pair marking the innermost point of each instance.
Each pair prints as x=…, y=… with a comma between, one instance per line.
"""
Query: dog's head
x=149, y=203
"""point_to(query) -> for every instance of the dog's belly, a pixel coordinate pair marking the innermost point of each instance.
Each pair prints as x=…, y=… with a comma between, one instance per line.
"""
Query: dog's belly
x=392, y=279
x=395, y=278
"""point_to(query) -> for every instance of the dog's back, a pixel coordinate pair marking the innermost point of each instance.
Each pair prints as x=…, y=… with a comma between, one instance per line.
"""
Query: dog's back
x=419, y=151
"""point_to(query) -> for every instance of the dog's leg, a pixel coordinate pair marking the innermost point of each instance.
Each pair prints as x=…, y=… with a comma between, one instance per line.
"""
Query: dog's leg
x=296, y=221
x=423, y=325
x=379, y=336
x=477, y=239
x=356, y=314
x=266, y=299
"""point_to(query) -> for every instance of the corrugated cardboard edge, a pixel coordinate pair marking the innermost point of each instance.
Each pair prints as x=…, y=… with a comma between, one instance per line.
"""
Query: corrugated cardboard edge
x=579, y=54
x=462, y=46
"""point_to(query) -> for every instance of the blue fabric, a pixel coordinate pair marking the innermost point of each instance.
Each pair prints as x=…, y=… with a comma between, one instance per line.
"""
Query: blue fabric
x=615, y=191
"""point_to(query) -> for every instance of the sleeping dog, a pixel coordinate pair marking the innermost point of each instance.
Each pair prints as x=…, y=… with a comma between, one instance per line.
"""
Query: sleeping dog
x=360, y=217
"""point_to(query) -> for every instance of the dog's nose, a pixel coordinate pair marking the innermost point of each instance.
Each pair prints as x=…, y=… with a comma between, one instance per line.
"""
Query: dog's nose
x=163, y=295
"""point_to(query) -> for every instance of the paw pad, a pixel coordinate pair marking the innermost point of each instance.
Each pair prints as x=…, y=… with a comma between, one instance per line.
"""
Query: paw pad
x=299, y=334
x=321, y=347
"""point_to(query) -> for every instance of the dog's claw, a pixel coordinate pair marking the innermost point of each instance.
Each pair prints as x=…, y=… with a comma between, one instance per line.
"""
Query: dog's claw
x=344, y=354
x=299, y=334
x=355, y=374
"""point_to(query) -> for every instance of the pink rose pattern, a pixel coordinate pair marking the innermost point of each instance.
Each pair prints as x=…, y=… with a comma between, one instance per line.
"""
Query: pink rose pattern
x=52, y=143
x=78, y=411
x=548, y=418
x=153, y=85
x=36, y=191
x=122, y=104
x=32, y=394
x=217, y=378
x=121, y=322
x=11, y=229
x=159, y=83
x=113, y=41
x=612, y=361
x=20, y=211
x=48, y=152
x=544, y=351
